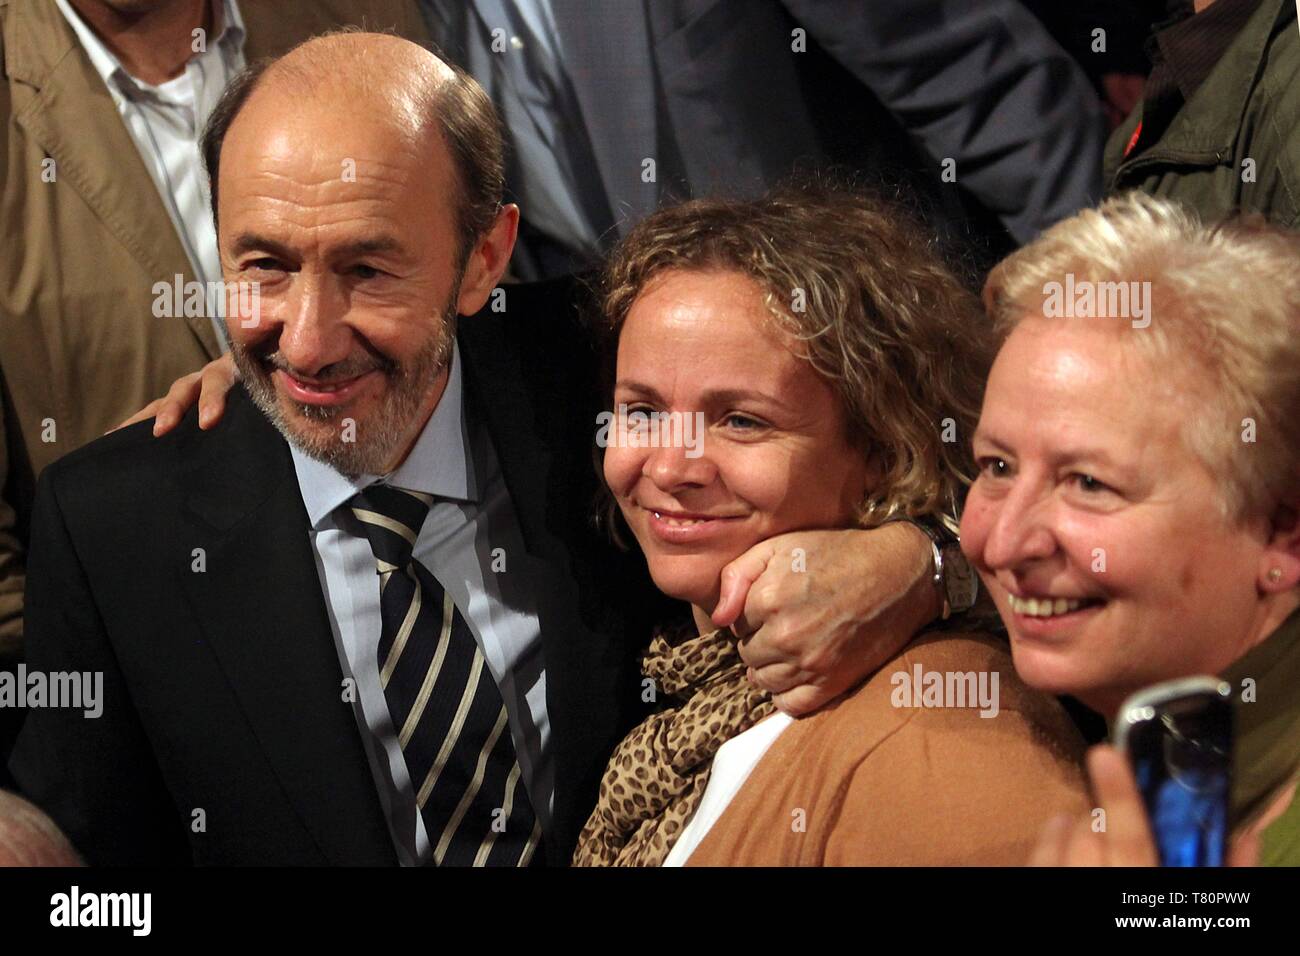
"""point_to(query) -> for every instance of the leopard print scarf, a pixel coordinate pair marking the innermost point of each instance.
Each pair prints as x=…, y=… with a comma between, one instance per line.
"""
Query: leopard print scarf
x=657, y=776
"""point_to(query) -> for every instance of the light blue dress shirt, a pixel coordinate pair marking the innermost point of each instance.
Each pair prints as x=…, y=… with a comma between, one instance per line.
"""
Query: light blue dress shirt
x=470, y=542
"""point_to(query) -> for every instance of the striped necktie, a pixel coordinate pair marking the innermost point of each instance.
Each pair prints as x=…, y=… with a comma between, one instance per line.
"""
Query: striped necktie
x=446, y=708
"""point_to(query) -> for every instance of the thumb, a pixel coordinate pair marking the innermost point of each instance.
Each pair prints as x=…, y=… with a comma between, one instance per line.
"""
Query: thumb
x=736, y=580
x=1128, y=836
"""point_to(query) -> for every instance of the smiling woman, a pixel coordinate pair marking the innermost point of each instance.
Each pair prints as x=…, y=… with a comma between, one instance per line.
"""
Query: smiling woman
x=777, y=452
x=835, y=367
x=1135, y=514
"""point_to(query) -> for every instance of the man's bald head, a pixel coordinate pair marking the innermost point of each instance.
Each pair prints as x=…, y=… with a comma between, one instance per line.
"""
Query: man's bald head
x=381, y=74
x=385, y=79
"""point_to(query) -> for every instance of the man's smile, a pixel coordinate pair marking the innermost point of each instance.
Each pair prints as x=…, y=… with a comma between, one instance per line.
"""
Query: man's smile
x=314, y=393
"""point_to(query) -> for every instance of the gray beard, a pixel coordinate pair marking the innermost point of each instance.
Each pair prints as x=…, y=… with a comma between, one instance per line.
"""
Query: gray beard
x=374, y=442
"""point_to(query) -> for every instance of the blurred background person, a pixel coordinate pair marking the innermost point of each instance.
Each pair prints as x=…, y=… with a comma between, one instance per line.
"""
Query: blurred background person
x=1106, y=38
x=29, y=838
x=614, y=108
x=1135, y=511
x=817, y=414
x=1216, y=128
x=102, y=196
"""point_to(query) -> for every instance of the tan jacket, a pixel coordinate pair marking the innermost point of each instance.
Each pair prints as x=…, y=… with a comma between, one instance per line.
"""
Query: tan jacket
x=80, y=348
x=875, y=780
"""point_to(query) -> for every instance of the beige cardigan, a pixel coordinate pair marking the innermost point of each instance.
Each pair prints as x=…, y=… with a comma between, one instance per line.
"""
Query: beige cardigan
x=880, y=779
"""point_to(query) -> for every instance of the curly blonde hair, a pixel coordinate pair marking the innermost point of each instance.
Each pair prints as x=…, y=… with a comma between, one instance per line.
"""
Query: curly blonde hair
x=855, y=280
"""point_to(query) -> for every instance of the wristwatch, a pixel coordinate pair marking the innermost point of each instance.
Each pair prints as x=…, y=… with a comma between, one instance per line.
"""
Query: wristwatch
x=957, y=582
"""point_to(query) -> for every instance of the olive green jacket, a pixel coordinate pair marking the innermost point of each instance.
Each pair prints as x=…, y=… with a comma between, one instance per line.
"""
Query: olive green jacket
x=1235, y=145
x=1266, y=758
x=80, y=251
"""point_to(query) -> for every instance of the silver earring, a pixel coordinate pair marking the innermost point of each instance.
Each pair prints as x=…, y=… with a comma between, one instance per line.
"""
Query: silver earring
x=1275, y=575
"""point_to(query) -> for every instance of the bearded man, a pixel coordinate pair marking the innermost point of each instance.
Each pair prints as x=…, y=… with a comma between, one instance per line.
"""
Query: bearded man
x=366, y=618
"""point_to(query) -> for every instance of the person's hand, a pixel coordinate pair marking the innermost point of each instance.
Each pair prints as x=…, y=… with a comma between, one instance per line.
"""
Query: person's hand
x=207, y=386
x=1126, y=839
x=818, y=611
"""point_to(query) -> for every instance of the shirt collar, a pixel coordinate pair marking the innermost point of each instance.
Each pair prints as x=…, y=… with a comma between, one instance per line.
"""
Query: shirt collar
x=109, y=67
x=1192, y=45
x=439, y=464
x=1204, y=132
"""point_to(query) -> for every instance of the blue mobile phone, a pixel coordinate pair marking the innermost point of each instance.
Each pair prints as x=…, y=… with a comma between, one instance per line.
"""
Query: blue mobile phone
x=1178, y=736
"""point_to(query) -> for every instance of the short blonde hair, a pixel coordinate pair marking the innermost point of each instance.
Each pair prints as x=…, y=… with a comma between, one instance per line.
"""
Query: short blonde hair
x=1224, y=297
x=880, y=317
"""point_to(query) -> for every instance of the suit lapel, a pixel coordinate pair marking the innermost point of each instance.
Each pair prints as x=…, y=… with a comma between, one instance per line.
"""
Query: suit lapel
x=494, y=386
x=262, y=611
x=73, y=118
x=585, y=668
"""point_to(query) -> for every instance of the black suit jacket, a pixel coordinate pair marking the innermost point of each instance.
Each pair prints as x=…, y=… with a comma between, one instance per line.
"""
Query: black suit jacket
x=225, y=737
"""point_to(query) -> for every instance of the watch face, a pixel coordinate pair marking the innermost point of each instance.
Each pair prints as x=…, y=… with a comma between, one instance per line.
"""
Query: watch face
x=959, y=580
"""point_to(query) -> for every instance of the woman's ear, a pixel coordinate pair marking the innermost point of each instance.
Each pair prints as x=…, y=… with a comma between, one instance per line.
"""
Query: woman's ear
x=1279, y=564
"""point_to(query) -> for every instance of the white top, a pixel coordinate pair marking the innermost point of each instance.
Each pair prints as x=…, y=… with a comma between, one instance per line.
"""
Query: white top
x=166, y=122
x=732, y=765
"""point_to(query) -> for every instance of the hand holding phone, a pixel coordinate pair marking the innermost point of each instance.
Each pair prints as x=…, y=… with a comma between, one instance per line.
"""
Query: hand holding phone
x=1178, y=736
